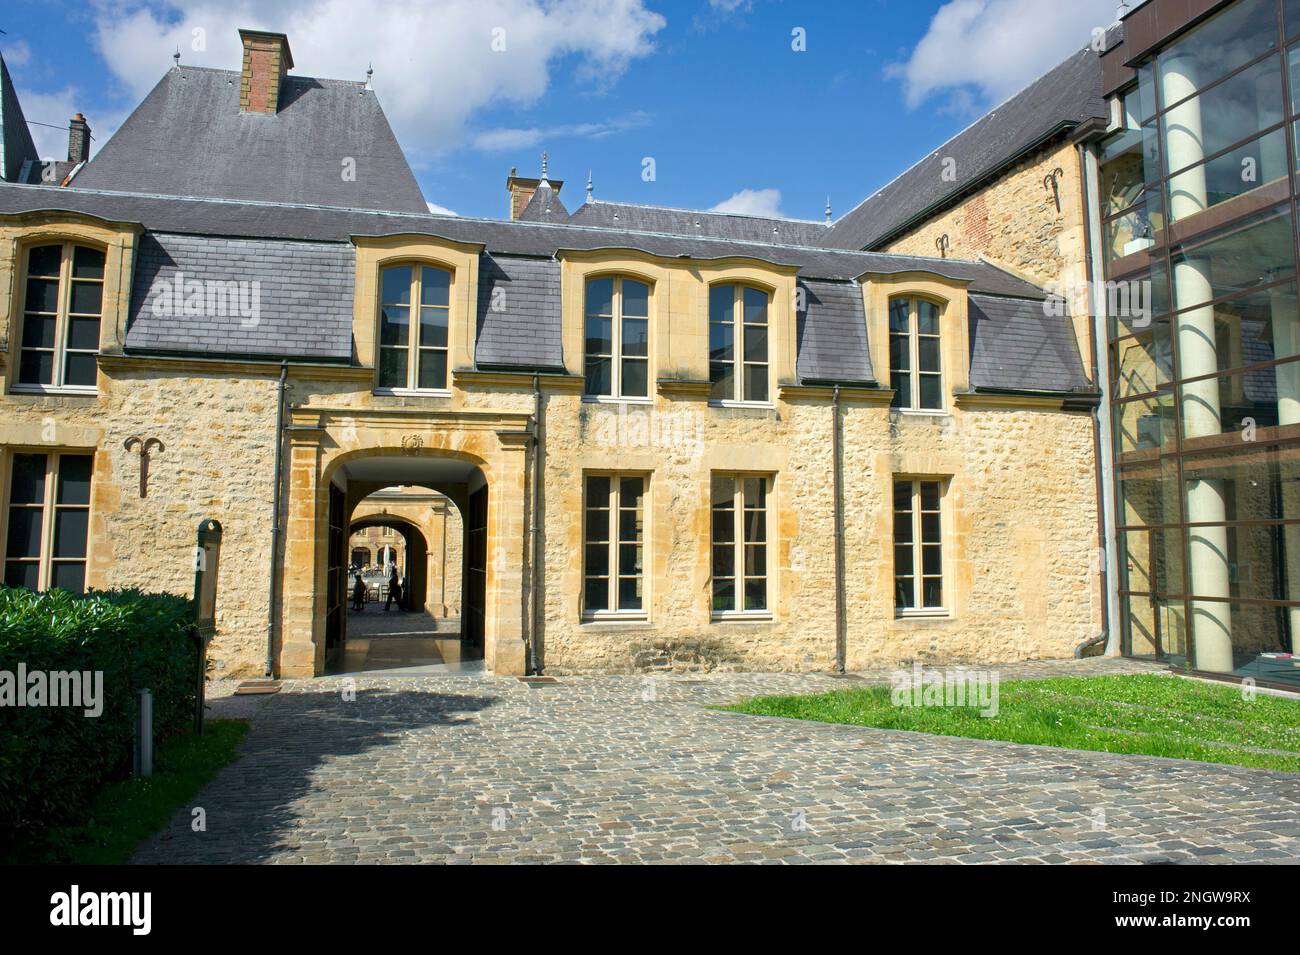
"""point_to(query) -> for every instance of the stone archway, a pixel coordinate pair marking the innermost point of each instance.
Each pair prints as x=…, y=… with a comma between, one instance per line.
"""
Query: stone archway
x=353, y=452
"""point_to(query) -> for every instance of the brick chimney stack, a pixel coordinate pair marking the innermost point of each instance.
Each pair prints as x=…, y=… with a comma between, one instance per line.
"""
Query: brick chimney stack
x=266, y=61
x=78, y=139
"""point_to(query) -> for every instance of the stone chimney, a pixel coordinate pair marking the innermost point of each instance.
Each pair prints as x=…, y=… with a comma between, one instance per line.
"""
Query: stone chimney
x=78, y=139
x=266, y=61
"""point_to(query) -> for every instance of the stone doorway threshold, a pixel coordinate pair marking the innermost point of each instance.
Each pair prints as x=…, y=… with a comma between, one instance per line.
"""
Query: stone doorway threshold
x=401, y=643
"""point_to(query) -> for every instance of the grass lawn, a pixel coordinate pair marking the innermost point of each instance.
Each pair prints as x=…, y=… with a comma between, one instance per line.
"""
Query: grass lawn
x=127, y=812
x=1148, y=714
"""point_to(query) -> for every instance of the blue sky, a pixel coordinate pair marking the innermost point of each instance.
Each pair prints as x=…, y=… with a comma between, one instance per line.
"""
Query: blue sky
x=712, y=90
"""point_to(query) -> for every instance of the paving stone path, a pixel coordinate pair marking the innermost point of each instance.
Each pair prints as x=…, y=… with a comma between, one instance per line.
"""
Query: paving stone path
x=625, y=769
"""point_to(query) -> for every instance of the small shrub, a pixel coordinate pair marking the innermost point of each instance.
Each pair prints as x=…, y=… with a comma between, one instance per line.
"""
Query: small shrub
x=54, y=758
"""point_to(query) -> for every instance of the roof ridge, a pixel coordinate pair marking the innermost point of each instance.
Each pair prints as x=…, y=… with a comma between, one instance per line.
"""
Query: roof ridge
x=708, y=212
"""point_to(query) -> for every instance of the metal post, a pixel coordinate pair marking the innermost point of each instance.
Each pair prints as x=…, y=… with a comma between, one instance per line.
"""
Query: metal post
x=144, y=735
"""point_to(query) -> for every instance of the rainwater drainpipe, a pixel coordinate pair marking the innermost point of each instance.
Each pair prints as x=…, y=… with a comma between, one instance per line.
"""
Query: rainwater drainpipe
x=535, y=565
x=274, y=585
x=840, y=636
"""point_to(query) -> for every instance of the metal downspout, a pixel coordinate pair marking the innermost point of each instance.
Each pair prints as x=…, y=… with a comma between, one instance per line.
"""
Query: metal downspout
x=841, y=648
x=535, y=531
x=1103, y=439
x=273, y=585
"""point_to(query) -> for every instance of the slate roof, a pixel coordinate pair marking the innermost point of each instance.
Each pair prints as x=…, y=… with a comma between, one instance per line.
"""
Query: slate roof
x=320, y=224
x=303, y=298
x=1016, y=346
x=544, y=206
x=716, y=225
x=16, y=145
x=189, y=138
x=1061, y=99
x=36, y=172
x=831, y=332
x=518, y=313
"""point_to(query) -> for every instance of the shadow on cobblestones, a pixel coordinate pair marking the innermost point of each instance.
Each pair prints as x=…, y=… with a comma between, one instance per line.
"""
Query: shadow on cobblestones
x=300, y=737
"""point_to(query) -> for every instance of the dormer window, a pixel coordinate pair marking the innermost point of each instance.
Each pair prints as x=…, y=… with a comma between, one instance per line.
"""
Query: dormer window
x=413, y=321
x=738, y=343
x=915, y=367
x=617, y=333
x=62, y=305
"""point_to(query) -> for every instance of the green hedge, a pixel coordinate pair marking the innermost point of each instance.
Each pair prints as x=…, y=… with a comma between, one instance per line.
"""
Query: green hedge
x=53, y=759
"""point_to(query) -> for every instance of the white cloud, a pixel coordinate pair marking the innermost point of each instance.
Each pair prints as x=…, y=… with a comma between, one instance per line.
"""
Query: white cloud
x=438, y=210
x=994, y=48
x=753, y=202
x=435, y=64
x=496, y=140
x=17, y=53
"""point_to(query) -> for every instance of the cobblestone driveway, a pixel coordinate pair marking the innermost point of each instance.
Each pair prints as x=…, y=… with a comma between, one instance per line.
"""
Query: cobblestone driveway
x=459, y=769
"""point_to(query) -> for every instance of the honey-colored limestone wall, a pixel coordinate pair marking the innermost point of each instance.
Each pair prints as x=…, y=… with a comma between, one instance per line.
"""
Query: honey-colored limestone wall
x=1018, y=534
x=1013, y=222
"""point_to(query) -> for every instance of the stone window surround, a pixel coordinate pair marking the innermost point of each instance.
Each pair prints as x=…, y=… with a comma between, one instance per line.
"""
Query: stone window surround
x=920, y=612
x=460, y=259
x=118, y=242
x=738, y=361
x=679, y=315
x=53, y=453
x=954, y=336
x=771, y=546
x=414, y=342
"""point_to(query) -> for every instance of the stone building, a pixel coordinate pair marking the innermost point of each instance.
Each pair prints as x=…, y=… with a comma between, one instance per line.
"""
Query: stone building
x=670, y=437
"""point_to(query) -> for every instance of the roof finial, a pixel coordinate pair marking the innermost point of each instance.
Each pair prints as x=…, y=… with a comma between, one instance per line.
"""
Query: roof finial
x=828, y=210
x=370, y=74
x=543, y=165
x=589, y=198
x=176, y=58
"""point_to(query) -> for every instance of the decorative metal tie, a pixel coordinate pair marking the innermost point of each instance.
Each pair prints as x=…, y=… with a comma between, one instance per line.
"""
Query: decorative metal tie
x=146, y=446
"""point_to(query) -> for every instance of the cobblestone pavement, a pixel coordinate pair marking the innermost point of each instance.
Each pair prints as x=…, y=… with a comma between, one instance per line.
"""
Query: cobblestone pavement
x=627, y=769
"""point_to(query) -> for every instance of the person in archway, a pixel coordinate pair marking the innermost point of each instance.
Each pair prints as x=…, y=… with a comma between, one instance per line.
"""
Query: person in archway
x=394, y=588
x=359, y=593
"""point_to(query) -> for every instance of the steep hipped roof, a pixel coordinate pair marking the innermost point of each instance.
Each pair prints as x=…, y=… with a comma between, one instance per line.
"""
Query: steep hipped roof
x=329, y=144
x=544, y=205
x=1063, y=98
x=716, y=225
x=16, y=146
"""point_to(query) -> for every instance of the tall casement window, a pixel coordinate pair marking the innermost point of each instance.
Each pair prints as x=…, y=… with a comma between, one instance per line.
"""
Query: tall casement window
x=614, y=545
x=914, y=366
x=414, y=314
x=737, y=343
x=918, y=548
x=617, y=338
x=49, y=516
x=739, y=508
x=62, y=305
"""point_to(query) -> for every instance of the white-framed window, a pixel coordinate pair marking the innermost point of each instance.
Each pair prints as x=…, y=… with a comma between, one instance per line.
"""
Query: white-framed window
x=738, y=349
x=918, y=547
x=63, y=302
x=616, y=320
x=915, y=365
x=614, y=540
x=414, y=318
x=739, y=544
x=48, y=521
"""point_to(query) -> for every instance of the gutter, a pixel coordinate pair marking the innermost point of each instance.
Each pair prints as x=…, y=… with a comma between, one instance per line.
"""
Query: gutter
x=273, y=585
x=841, y=641
x=535, y=531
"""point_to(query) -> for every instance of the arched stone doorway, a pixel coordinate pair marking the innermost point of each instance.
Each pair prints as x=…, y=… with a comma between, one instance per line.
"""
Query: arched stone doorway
x=337, y=457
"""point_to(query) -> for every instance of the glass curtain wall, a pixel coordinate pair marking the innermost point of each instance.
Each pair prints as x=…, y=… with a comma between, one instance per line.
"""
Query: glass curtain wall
x=1199, y=222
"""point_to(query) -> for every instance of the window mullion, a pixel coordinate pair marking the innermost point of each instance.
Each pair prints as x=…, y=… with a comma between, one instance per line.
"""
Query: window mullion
x=613, y=503
x=914, y=348
x=61, y=315
x=738, y=323
x=738, y=504
x=616, y=339
x=918, y=550
x=413, y=332
x=43, y=571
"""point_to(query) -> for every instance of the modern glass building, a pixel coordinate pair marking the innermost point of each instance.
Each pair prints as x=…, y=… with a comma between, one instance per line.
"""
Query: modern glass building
x=1197, y=216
